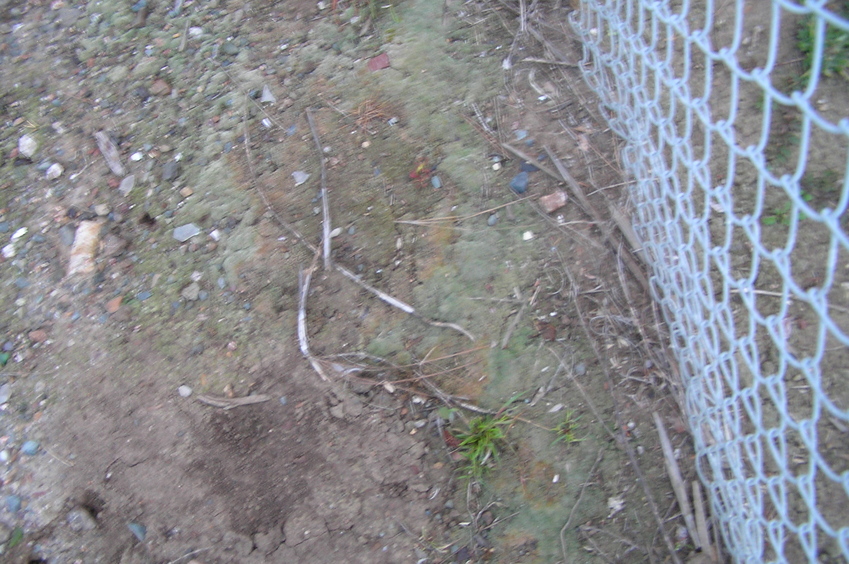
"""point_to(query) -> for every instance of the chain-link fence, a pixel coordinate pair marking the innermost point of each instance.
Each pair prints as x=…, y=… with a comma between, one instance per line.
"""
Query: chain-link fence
x=734, y=117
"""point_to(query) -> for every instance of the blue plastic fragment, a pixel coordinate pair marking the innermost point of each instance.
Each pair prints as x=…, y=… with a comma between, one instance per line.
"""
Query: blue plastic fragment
x=519, y=183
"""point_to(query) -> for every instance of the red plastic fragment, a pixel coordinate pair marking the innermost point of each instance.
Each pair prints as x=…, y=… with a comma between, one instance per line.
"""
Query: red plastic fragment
x=379, y=62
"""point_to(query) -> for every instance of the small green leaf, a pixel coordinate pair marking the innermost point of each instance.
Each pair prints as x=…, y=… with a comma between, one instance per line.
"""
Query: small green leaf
x=4, y=358
x=16, y=538
x=769, y=220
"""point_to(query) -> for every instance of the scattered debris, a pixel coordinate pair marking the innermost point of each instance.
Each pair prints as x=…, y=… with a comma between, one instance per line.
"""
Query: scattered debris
x=27, y=146
x=300, y=177
x=185, y=232
x=378, y=63
x=519, y=184
x=267, y=96
x=110, y=153
x=554, y=201
x=229, y=403
x=86, y=242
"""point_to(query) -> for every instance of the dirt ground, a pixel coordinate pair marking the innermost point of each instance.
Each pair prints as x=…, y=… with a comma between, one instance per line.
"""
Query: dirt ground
x=119, y=434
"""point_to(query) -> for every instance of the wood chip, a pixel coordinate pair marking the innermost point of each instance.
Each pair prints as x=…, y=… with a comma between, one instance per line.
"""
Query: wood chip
x=230, y=403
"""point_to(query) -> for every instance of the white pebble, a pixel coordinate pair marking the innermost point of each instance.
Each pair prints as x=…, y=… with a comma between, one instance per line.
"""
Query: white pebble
x=527, y=235
x=184, y=391
x=336, y=232
x=27, y=146
x=55, y=171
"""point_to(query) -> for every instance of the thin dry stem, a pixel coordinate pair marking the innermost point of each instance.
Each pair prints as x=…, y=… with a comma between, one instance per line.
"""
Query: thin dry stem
x=575, y=506
x=325, y=206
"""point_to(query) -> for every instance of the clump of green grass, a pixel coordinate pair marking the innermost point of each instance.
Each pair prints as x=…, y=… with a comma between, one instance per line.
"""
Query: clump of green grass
x=835, y=54
x=481, y=443
x=566, y=430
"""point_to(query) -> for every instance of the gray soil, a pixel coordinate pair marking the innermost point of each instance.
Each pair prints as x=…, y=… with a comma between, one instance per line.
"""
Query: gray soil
x=364, y=466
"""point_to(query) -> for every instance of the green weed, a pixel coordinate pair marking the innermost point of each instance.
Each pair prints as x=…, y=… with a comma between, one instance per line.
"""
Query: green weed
x=566, y=429
x=781, y=214
x=835, y=54
x=481, y=444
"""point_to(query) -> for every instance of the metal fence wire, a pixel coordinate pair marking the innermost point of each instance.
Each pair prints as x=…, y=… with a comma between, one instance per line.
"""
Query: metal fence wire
x=733, y=115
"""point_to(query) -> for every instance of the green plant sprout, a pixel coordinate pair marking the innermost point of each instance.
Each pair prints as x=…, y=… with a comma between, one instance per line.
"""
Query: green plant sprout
x=835, y=53
x=782, y=214
x=566, y=429
x=480, y=445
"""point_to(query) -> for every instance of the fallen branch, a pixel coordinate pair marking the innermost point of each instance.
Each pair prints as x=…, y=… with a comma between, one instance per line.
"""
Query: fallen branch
x=701, y=521
x=345, y=272
x=304, y=279
x=229, y=403
x=325, y=207
x=677, y=482
x=619, y=435
x=588, y=208
x=405, y=307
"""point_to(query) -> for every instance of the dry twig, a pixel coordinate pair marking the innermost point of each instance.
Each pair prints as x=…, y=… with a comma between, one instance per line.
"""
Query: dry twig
x=578, y=502
x=325, y=207
x=304, y=279
x=677, y=481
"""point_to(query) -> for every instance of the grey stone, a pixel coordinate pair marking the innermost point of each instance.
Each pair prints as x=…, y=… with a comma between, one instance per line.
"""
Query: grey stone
x=186, y=232
x=170, y=170
x=191, y=292
x=80, y=520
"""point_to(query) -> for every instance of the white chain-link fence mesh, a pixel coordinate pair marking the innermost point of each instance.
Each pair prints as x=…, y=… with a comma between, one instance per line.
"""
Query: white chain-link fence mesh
x=734, y=117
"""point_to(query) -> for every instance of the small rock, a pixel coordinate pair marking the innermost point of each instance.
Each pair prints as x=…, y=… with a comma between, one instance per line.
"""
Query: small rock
x=27, y=146
x=38, y=336
x=5, y=392
x=127, y=184
x=145, y=295
x=114, y=304
x=29, y=448
x=379, y=62
x=300, y=177
x=140, y=531
x=170, y=170
x=553, y=202
x=336, y=232
x=580, y=369
x=267, y=96
x=338, y=411
x=13, y=503
x=229, y=48
x=492, y=219
x=190, y=293
x=519, y=184
x=80, y=520
x=110, y=153
x=435, y=182
x=114, y=245
x=102, y=210
x=160, y=88
x=527, y=167
x=186, y=192
x=186, y=232
x=266, y=543
x=54, y=171
x=521, y=134
x=184, y=391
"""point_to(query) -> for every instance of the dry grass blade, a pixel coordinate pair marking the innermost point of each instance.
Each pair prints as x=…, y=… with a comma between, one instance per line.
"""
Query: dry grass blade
x=575, y=188
x=620, y=438
x=574, y=507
